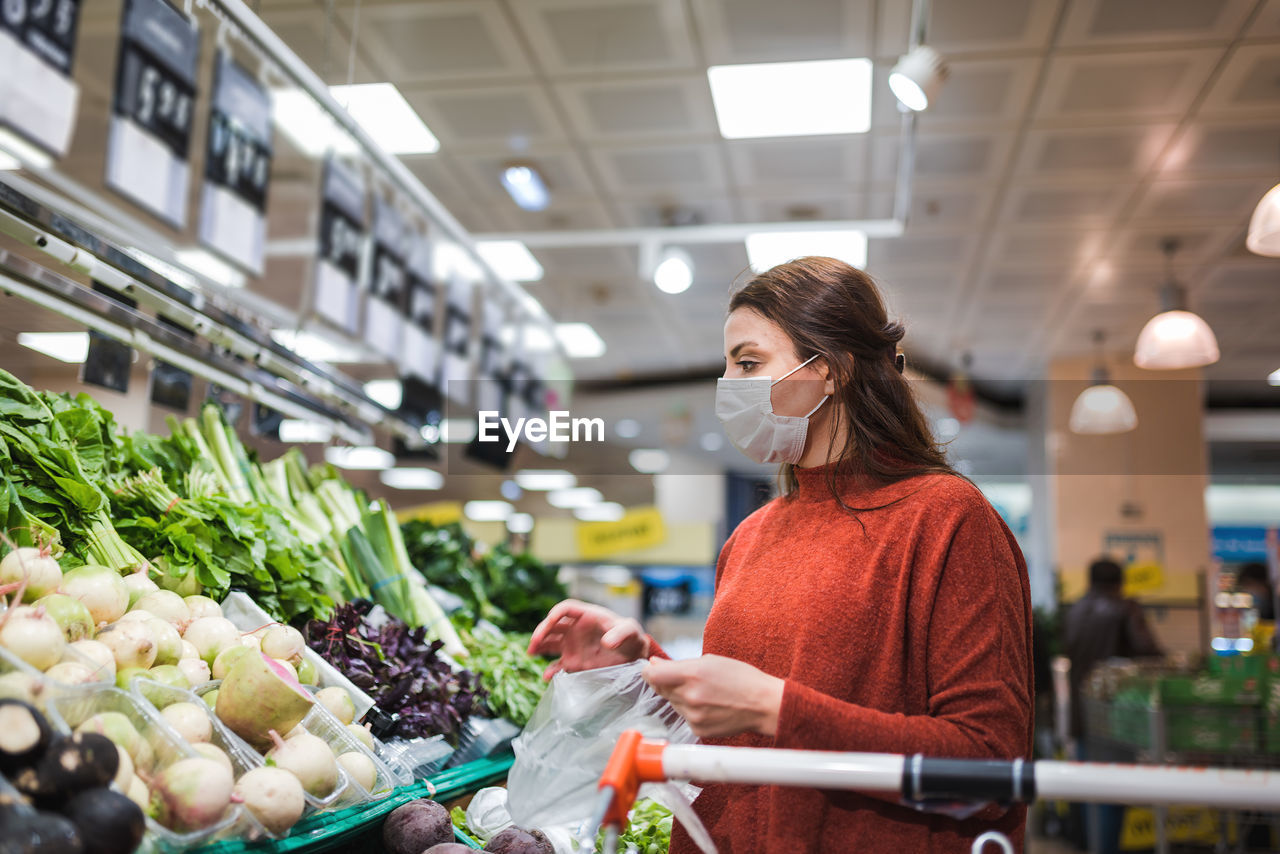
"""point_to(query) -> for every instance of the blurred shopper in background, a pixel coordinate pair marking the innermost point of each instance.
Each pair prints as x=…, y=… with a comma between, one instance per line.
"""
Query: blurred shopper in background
x=880, y=604
x=1102, y=624
x=1254, y=579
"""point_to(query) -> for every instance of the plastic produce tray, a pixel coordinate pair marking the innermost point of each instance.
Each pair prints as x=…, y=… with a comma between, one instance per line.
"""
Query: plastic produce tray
x=359, y=828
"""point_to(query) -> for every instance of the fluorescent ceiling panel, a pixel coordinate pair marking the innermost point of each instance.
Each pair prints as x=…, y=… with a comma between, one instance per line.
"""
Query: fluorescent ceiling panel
x=70, y=347
x=510, y=259
x=545, y=480
x=412, y=478
x=386, y=116
x=580, y=340
x=792, y=98
x=311, y=130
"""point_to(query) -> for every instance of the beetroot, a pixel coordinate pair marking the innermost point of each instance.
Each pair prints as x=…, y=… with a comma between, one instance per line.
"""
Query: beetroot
x=416, y=826
x=449, y=848
x=515, y=840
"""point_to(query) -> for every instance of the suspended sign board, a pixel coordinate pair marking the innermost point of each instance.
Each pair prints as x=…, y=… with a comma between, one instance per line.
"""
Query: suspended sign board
x=38, y=98
x=384, y=317
x=420, y=356
x=237, y=169
x=342, y=240
x=150, y=131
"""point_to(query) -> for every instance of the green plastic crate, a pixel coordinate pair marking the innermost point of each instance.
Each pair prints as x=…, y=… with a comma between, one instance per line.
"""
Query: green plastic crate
x=359, y=828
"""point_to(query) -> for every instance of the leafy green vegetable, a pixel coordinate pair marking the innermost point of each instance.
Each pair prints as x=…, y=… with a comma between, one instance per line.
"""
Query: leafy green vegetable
x=512, y=677
x=512, y=591
x=649, y=831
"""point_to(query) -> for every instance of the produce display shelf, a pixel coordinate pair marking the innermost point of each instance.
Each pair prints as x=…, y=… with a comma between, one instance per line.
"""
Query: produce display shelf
x=357, y=829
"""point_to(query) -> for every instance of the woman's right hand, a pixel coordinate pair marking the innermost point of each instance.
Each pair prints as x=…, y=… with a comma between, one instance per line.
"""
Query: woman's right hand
x=585, y=637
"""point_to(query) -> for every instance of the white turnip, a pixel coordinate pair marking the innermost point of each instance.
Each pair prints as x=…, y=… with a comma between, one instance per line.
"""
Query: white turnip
x=309, y=759
x=139, y=793
x=229, y=656
x=98, y=655
x=131, y=643
x=251, y=641
x=212, y=751
x=139, y=584
x=257, y=696
x=337, y=700
x=71, y=673
x=202, y=606
x=33, y=636
x=191, y=794
x=41, y=572
x=17, y=685
x=307, y=672
x=189, y=721
x=274, y=796
x=284, y=643
x=187, y=585
x=189, y=650
x=168, y=641
x=70, y=614
x=100, y=588
x=196, y=671
x=117, y=727
x=124, y=770
x=287, y=668
x=211, y=635
x=359, y=768
x=361, y=734
x=168, y=606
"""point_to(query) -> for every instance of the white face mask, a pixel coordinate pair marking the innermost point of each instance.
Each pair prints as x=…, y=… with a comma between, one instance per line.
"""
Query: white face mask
x=745, y=408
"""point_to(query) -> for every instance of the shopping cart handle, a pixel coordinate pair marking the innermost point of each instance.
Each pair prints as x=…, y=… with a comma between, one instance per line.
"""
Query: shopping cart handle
x=634, y=760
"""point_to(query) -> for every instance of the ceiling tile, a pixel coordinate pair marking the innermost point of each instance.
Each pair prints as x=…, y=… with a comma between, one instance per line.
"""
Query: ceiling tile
x=1213, y=201
x=562, y=172
x=307, y=34
x=736, y=31
x=1126, y=152
x=670, y=108
x=775, y=164
x=442, y=41
x=1108, y=22
x=1055, y=248
x=513, y=118
x=799, y=206
x=1128, y=86
x=1073, y=205
x=943, y=159
x=1226, y=148
x=657, y=209
x=978, y=95
x=961, y=26
x=1250, y=84
x=586, y=36
x=680, y=167
x=923, y=251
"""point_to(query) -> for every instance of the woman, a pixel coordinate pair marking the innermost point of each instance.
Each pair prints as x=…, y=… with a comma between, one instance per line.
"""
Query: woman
x=880, y=604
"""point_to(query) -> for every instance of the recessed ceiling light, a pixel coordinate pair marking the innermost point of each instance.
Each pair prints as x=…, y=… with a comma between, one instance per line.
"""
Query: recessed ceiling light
x=511, y=490
x=792, y=98
x=318, y=348
x=510, y=259
x=386, y=392
x=649, y=460
x=295, y=431
x=526, y=187
x=70, y=347
x=519, y=523
x=412, y=478
x=532, y=337
x=580, y=340
x=609, y=511
x=211, y=267
x=360, y=458
x=579, y=496
x=545, y=480
x=386, y=116
x=311, y=130
x=768, y=249
x=711, y=442
x=457, y=431
x=487, y=511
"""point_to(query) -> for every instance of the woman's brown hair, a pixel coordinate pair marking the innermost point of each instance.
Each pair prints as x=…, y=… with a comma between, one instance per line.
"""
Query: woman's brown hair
x=834, y=310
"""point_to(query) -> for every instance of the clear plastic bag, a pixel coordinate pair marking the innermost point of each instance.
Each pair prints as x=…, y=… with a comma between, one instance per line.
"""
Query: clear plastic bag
x=568, y=740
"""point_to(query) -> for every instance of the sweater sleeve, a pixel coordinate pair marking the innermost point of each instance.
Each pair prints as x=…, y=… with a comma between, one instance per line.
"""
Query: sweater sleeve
x=977, y=666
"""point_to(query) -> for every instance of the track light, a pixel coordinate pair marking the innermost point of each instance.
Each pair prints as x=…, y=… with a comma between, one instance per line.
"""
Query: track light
x=1175, y=338
x=674, y=272
x=917, y=77
x=1264, y=225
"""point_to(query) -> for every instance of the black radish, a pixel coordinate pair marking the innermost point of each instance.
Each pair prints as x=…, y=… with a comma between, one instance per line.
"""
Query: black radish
x=108, y=822
x=24, y=734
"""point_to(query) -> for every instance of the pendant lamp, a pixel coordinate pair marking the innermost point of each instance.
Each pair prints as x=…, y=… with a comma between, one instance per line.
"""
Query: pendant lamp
x=1175, y=338
x=1102, y=408
x=1264, y=225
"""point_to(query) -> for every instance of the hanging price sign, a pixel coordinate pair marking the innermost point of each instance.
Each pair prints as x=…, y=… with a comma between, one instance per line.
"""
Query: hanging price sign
x=38, y=98
x=420, y=356
x=342, y=242
x=237, y=170
x=150, y=132
x=384, y=317
x=457, y=339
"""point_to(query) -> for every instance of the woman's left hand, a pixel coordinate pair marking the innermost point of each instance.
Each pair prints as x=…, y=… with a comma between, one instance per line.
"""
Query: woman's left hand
x=718, y=696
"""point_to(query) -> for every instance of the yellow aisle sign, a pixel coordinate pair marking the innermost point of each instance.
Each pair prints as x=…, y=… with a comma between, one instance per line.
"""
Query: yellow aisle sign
x=1143, y=578
x=437, y=513
x=638, y=529
x=1185, y=826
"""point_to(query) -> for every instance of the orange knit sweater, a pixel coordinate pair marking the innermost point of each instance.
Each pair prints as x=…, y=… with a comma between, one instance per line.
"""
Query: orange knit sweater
x=911, y=636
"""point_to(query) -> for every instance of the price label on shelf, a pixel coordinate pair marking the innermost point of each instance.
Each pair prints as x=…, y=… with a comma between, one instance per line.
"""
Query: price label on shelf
x=237, y=170
x=342, y=245
x=421, y=354
x=384, y=318
x=38, y=98
x=149, y=137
